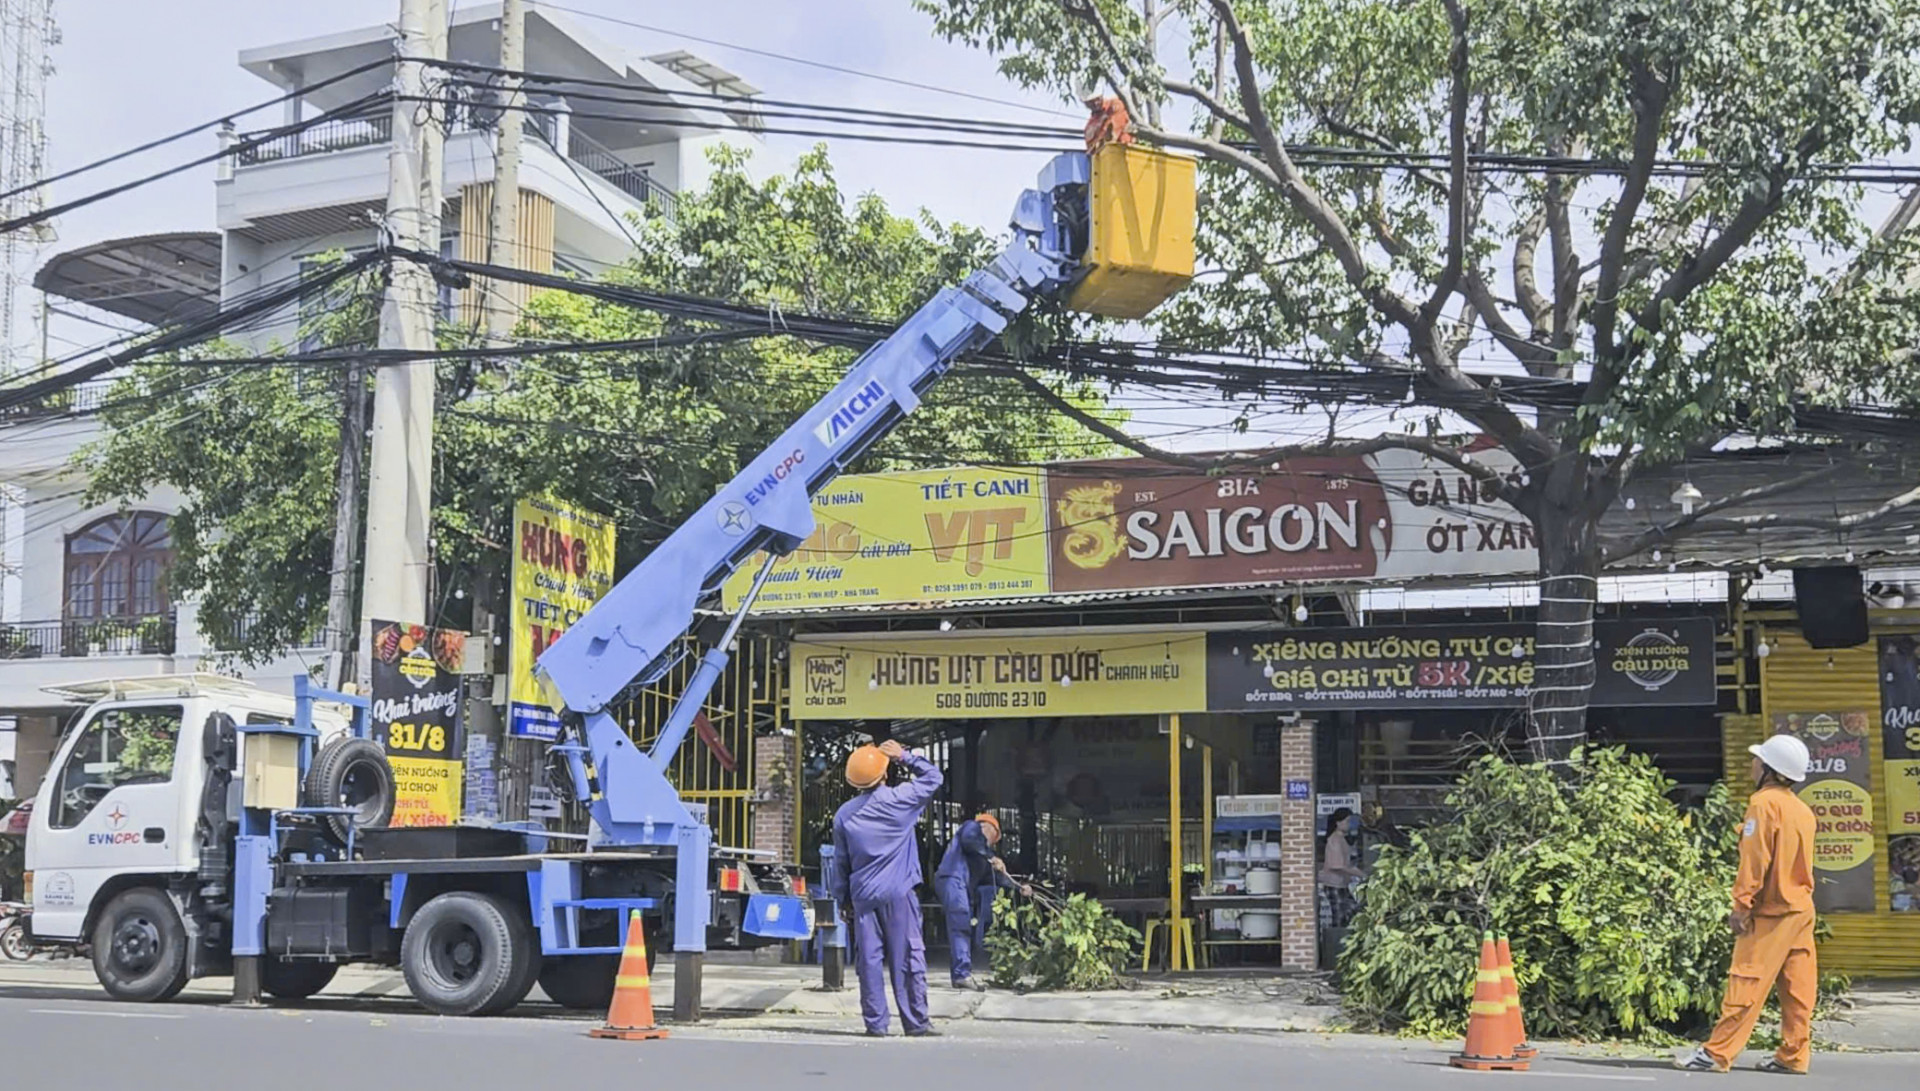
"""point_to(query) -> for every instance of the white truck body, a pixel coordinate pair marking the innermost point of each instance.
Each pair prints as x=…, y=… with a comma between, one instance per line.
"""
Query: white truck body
x=83, y=839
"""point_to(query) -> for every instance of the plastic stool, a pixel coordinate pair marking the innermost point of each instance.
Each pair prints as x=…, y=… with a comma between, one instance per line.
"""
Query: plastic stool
x=1179, y=937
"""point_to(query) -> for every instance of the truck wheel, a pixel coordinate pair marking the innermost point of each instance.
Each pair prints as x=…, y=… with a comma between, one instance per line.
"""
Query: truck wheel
x=350, y=772
x=13, y=942
x=465, y=954
x=584, y=982
x=140, y=947
x=287, y=979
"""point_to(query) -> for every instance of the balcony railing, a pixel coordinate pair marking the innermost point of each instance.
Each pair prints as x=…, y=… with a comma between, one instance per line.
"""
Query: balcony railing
x=81, y=637
x=634, y=181
x=344, y=134
x=337, y=135
x=85, y=397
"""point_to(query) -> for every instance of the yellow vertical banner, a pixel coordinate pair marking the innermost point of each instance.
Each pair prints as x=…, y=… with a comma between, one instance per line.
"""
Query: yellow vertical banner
x=562, y=565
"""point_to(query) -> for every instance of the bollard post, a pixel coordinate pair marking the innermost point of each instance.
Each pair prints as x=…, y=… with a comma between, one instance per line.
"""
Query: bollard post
x=833, y=932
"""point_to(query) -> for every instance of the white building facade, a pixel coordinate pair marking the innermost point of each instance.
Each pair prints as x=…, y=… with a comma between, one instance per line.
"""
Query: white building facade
x=83, y=588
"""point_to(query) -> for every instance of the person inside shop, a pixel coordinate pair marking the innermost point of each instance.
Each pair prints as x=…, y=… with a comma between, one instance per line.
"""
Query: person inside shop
x=970, y=875
x=876, y=880
x=1338, y=868
x=1772, y=919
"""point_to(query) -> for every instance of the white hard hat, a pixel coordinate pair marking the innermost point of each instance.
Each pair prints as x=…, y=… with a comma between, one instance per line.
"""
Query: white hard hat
x=1785, y=755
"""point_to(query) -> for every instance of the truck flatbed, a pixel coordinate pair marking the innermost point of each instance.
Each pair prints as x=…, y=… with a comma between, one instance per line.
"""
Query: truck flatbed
x=472, y=865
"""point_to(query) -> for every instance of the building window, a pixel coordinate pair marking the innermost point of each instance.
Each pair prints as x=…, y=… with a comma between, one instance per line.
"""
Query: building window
x=117, y=567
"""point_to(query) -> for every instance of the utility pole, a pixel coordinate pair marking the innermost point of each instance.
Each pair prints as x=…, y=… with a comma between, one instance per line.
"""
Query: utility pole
x=400, y=479
x=346, y=525
x=504, y=246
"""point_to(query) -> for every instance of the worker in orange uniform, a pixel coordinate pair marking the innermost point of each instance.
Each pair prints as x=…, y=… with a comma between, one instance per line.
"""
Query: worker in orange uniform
x=1773, y=918
x=1109, y=121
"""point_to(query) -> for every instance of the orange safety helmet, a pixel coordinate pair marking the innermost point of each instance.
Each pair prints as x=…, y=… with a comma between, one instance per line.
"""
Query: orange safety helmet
x=988, y=820
x=866, y=767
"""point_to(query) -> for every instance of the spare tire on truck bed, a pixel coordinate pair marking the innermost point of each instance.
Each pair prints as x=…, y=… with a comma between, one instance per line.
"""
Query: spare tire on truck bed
x=350, y=772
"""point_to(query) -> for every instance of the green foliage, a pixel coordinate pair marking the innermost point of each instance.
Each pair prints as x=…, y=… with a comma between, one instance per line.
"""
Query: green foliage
x=1081, y=948
x=1615, y=899
x=646, y=435
x=1806, y=299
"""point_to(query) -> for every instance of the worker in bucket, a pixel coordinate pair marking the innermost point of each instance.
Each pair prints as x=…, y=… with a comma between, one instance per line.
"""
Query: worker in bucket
x=1772, y=918
x=968, y=878
x=873, y=836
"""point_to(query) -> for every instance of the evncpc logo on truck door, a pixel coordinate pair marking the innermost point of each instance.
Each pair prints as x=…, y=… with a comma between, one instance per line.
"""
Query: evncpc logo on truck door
x=849, y=412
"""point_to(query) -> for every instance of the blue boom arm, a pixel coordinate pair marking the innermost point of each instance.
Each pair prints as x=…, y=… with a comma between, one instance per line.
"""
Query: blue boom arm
x=630, y=635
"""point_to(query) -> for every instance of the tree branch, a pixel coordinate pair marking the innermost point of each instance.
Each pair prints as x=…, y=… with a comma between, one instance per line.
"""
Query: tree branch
x=1214, y=106
x=1219, y=74
x=1303, y=197
x=1526, y=286
x=1566, y=261
x=1649, y=108
x=1535, y=357
x=1457, y=226
x=1705, y=517
x=1434, y=449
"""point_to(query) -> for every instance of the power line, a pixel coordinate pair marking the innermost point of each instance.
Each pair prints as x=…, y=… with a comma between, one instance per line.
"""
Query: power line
x=827, y=66
x=243, y=146
x=200, y=128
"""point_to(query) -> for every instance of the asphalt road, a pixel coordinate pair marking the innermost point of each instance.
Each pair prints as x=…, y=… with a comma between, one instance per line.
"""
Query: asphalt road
x=57, y=1037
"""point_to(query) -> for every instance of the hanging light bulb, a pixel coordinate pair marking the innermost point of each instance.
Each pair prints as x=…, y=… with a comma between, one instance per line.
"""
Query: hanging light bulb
x=946, y=624
x=1630, y=504
x=1686, y=496
x=1409, y=398
x=1673, y=566
x=1829, y=662
x=1519, y=649
x=1764, y=570
x=1763, y=649
x=1267, y=670
x=1656, y=556
x=1849, y=556
x=873, y=681
x=1066, y=681
x=1300, y=612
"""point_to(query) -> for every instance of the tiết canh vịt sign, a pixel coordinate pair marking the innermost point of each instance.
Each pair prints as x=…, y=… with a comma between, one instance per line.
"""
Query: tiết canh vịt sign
x=986, y=677
x=918, y=537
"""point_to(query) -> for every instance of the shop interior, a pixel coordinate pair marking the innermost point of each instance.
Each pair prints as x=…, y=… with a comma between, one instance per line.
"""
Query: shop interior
x=1085, y=801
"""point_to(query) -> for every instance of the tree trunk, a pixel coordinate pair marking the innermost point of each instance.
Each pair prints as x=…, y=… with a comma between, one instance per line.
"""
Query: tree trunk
x=1564, y=664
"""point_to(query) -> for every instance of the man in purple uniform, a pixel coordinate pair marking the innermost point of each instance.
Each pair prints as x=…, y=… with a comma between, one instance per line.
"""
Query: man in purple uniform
x=879, y=867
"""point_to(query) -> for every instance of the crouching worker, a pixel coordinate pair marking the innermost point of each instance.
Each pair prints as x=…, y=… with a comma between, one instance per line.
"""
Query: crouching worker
x=1772, y=918
x=968, y=878
x=873, y=836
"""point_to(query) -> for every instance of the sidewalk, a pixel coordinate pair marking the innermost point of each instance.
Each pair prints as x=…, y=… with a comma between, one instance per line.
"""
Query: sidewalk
x=1883, y=1017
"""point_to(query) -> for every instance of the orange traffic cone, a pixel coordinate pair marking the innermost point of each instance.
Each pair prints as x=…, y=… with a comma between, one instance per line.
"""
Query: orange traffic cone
x=1517, y=1025
x=1489, y=1040
x=630, y=1017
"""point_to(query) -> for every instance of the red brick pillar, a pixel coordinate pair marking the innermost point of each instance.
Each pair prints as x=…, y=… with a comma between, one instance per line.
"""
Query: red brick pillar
x=775, y=758
x=1299, y=916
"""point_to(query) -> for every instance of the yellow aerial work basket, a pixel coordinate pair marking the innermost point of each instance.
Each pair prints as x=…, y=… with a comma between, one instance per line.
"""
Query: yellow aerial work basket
x=1140, y=222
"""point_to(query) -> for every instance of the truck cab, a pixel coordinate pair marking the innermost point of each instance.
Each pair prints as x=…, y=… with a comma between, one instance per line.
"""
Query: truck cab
x=122, y=803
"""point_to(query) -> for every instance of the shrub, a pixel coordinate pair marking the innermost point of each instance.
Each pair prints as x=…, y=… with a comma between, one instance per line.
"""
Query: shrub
x=1080, y=948
x=1615, y=899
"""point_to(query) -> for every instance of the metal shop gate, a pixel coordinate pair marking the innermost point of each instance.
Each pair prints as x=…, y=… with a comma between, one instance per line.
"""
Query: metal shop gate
x=714, y=766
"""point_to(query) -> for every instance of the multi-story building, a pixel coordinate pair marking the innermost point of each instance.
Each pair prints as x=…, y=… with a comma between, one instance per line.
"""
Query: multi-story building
x=85, y=585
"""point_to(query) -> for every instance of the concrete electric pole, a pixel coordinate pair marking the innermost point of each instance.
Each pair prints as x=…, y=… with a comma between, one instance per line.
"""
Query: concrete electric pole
x=504, y=248
x=400, y=481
